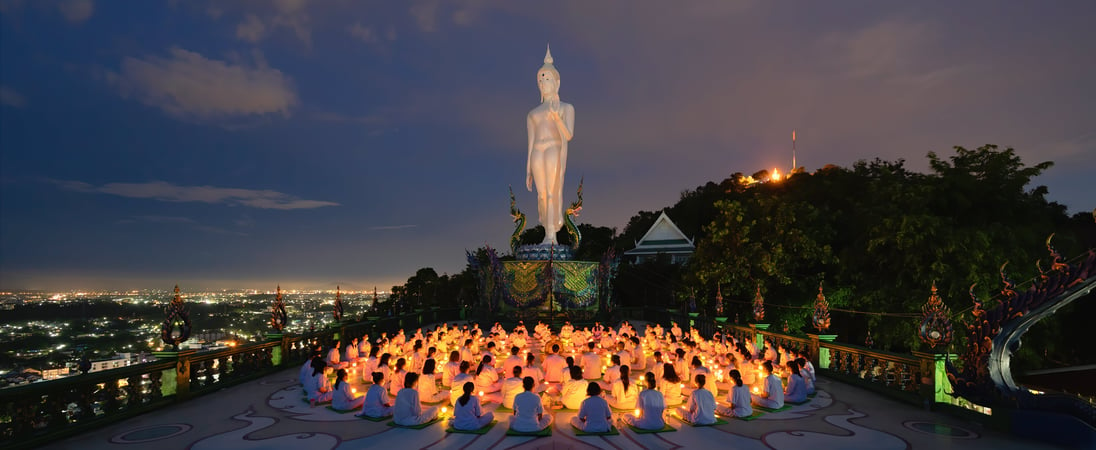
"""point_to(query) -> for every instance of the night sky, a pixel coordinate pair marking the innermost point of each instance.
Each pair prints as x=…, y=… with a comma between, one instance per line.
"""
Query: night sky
x=247, y=143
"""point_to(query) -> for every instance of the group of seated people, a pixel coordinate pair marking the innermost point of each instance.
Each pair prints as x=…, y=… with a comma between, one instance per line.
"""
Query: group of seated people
x=579, y=382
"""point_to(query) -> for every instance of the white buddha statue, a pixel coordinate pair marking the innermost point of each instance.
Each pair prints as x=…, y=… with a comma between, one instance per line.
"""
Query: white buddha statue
x=551, y=125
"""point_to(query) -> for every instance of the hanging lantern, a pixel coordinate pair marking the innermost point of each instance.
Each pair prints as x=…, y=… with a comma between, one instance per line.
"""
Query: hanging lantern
x=787, y=329
x=868, y=340
x=821, y=316
x=935, y=326
x=759, y=306
x=278, y=317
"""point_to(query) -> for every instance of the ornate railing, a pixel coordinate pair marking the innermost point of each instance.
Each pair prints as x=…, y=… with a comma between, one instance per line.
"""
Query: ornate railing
x=891, y=372
x=33, y=414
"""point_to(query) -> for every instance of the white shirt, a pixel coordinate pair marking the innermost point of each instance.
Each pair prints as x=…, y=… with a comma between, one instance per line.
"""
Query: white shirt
x=511, y=387
x=701, y=407
x=375, y=400
x=625, y=399
x=315, y=383
x=595, y=412
x=428, y=388
x=797, y=389
x=343, y=397
x=739, y=396
x=591, y=366
x=457, y=388
x=450, y=370
x=612, y=374
x=526, y=408
x=651, y=405
x=466, y=417
x=407, y=407
x=774, y=388
x=573, y=393
x=509, y=364
x=553, y=366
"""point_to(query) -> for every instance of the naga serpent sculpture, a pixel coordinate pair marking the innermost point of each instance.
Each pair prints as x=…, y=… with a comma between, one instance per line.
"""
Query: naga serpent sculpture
x=519, y=222
x=570, y=214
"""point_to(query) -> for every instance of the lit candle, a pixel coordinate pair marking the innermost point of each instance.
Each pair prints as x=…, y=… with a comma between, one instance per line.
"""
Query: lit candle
x=481, y=393
x=637, y=412
x=756, y=390
x=682, y=385
x=444, y=409
x=354, y=390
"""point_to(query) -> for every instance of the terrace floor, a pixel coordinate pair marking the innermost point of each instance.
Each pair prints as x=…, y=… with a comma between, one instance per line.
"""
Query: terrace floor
x=268, y=413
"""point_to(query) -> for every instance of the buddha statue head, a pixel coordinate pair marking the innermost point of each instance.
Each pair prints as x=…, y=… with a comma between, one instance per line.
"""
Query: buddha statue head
x=548, y=77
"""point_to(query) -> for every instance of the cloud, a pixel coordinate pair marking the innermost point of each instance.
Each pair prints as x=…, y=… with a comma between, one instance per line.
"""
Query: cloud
x=173, y=220
x=9, y=97
x=188, y=85
x=251, y=29
x=76, y=11
x=392, y=227
x=366, y=34
x=163, y=191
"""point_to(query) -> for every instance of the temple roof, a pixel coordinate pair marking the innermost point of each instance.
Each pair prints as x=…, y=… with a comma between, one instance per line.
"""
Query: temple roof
x=663, y=237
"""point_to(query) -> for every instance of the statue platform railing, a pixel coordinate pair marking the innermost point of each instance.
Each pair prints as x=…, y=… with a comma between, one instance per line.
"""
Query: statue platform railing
x=37, y=413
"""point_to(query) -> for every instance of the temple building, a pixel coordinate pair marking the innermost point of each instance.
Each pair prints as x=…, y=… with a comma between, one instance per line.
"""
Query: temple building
x=662, y=238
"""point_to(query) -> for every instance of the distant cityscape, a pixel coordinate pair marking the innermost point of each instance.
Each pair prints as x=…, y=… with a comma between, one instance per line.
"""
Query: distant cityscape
x=46, y=335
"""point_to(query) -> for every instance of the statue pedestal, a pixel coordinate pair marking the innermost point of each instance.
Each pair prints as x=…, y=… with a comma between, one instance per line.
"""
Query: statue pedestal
x=544, y=252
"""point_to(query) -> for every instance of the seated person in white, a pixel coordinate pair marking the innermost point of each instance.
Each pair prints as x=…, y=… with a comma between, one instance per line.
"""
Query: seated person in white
x=532, y=370
x=350, y=355
x=333, y=360
x=408, y=409
x=462, y=377
x=553, y=365
x=467, y=413
x=344, y=398
x=700, y=410
x=487, y=380
x=591, y=363
x=376, y=402
x=317, y=386
x=511, y=387
x=572, y=393
x=649, y=407
x=594, y=415
x=612, y=373
x=514, y=360
x=773, y=394
x=450, y=369
x=697, y=368
x=796, y=391
x=625, y=392
x=306, y=369
x=529, y=416
x=370, y=365
x=428, y=388
x=670, y=385
x=808, y=378
x=738, y=398
x=395, y=383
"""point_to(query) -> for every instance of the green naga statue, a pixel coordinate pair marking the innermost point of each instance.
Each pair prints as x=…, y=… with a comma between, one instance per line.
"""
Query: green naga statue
x=569, y=216
x=519, y=222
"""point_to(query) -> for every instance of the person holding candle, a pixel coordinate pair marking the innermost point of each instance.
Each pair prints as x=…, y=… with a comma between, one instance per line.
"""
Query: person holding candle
x=343, y=397
x=773, y=394
x=532, y=370
x=700, y=410
x=487, y=379
x=317, y=386
x=451, y=368
x=376, y=403
x=514, y=360
x=649, y=407
x=399, y=373
x=796, y=391
x=468, y=414
x=408, y=410
x=590, y=363
x=554, y=365
x=428, y=388
x=529, y=416
x=670, y=385
x=458, y=382
x=738, y=398
x=571, y=394
x=594, y=415
x=624, y=392
x=370, y=365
